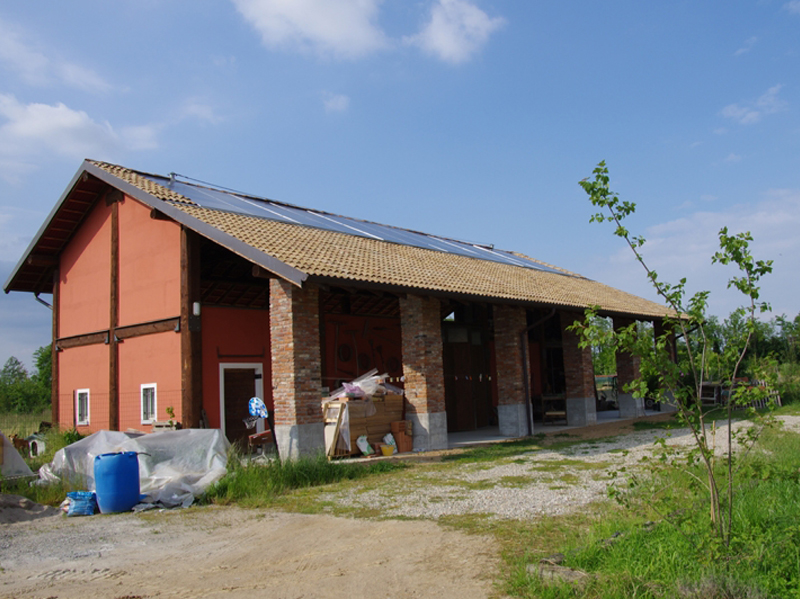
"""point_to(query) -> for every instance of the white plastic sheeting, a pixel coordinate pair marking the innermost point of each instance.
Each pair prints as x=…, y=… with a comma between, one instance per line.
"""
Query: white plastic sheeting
x=13, y=465
x=174, y=466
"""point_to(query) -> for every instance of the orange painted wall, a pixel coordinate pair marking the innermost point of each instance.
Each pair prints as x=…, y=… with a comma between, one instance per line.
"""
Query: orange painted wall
x=154, y=358
x=81, y=368
x=149, y=265
x=85, y=275
x=233, y=335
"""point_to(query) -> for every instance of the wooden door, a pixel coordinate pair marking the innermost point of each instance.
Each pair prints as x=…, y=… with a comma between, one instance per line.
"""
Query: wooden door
x=239, y=386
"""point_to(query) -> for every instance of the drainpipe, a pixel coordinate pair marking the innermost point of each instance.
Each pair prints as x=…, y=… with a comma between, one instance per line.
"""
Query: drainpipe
x=525, y=379
x=40, y=301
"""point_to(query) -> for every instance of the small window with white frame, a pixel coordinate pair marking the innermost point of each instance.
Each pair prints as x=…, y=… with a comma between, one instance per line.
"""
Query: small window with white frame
x=82, y=407
x=149, y=405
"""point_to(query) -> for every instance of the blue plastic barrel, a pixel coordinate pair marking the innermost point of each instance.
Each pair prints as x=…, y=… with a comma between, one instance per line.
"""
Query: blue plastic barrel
x=116, y=479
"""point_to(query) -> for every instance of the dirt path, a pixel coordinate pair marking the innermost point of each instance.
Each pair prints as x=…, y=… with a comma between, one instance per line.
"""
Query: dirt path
x=238, y=553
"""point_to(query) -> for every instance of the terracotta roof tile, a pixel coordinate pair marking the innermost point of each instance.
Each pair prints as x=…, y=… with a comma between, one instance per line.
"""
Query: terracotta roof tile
x=330, y=254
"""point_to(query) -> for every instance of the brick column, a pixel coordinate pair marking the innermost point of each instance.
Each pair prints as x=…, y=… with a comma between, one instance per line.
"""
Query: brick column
x=627, y=371
x=579, y=375
x=296, y=368
x=512, y=415
x=421, y=323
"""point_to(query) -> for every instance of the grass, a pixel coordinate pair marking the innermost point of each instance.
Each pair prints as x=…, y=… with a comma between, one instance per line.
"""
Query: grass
x=254, y=484
x=678, y=557
x=23, y=424
x=51, y=494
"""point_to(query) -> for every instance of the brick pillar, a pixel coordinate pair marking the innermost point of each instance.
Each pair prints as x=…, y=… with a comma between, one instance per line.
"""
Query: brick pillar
x=512, y=415
x=296, y=368
x=667, y=404
x=627, y=371
x=421, y=323
x=578, y=373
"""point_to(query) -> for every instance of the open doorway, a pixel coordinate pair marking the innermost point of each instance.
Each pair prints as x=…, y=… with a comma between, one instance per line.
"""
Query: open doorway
x=238, y=382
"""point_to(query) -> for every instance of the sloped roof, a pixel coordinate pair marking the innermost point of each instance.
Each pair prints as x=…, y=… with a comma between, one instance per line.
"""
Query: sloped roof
x=300, y=253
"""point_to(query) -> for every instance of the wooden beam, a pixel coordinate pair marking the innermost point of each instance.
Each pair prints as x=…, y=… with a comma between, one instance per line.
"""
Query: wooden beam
x=262, y=273
x=41, y=260
x=132, y=331
x=191, y=342
x=55, y=387
x=76, y=341
x=113, y=349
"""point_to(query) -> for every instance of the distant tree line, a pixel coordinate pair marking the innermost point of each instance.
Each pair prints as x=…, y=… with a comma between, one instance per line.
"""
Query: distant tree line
x=774, y=351
x=23, y=392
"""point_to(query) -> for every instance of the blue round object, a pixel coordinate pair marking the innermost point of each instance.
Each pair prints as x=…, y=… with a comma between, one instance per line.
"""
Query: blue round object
x=116, y=479
x=258, y=408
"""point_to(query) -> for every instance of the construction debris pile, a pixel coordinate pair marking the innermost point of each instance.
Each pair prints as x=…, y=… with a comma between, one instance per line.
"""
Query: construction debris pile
x=366, y=417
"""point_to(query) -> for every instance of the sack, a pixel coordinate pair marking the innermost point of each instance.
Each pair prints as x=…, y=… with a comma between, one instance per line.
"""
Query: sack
x=81, y=504
x=363, y=445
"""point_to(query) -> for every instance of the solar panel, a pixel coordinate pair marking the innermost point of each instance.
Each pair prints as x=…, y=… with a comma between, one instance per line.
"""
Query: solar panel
x=218, y=199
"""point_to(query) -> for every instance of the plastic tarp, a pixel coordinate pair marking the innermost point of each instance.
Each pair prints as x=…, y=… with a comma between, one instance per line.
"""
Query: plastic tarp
x=13, y=465
x=174, y=466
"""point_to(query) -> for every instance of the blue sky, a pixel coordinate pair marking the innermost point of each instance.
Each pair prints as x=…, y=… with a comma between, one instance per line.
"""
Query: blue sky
x=473, y=119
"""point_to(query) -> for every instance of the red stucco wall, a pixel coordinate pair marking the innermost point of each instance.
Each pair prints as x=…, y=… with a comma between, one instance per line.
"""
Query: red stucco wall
x=149, y=266
x=85, y=275
x=232, y=335
x=85, y=367
x=154, y=358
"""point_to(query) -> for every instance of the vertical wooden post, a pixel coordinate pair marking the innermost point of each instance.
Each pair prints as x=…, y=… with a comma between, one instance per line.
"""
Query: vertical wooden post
x=54, y=385
x=113, y=198
x=191, y=342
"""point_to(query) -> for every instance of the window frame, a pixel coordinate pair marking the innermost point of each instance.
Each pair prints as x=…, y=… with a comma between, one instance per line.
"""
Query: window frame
x=154, y=415
x=78, y=394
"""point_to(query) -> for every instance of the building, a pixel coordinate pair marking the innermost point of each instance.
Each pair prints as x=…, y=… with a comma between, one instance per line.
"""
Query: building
x=173, y=299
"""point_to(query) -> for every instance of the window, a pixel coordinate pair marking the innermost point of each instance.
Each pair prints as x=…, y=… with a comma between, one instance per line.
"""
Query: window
x=81, y=407
x=148, y=403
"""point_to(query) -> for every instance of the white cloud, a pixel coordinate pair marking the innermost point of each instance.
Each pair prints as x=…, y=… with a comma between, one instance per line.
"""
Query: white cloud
x=457, y=29
x=733, y=158
x=329, y=28
x=28, y=131
x=766, y=104
x=793, y=6
x=201, y=111
x=335, y=102
x=35, y=67
x=683, y=248
x=748, y=45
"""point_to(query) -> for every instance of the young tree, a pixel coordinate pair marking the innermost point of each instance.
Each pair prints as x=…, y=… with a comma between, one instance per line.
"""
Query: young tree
x=689, y=322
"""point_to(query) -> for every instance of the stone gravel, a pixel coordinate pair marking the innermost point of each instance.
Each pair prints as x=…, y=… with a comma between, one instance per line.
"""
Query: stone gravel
x=531, y=484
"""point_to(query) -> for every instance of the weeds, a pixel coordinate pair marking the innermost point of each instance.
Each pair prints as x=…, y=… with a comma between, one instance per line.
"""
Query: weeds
x=257, y=484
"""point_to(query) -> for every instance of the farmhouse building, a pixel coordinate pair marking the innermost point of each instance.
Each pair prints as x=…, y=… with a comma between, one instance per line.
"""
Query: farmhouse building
x=177, y=300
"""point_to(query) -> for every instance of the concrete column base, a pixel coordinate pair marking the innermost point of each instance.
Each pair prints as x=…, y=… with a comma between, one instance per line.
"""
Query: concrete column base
x=429, y=430
x=513, y=420
x=296, y=440
x=630, y=407
x=581, y=412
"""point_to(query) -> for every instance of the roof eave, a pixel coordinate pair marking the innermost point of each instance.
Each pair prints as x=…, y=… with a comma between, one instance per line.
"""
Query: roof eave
x=270, y=263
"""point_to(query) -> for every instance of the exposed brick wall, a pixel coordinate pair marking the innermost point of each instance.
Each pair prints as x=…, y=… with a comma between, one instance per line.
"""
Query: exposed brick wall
x=295, y=349
x=658, y=331
x=627, y=364
x=509, y=321
x=578, y=368
x=421, y=324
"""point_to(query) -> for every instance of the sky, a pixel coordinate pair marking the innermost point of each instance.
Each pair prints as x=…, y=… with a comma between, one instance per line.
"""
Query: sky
x=473, y=119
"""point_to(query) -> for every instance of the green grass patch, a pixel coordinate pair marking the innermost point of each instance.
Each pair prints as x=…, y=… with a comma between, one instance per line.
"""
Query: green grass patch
x=637, y=552
x=23, y=424
x=255, y=484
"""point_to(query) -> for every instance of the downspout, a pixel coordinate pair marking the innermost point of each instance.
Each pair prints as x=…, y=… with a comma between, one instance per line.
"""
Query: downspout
x=40, y=301
x=525, y=379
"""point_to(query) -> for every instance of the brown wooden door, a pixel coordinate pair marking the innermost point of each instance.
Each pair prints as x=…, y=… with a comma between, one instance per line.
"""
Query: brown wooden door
x=240, y=386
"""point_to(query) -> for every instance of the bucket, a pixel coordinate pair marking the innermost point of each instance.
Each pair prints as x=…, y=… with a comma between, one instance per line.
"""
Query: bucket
x=387, y=449
x=116, y=479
